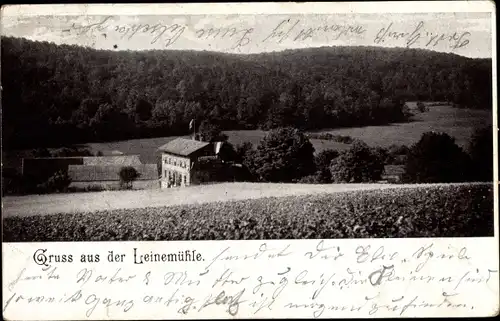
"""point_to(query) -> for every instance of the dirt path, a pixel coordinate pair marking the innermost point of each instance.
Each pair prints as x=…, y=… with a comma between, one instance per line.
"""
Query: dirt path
x=94, y=201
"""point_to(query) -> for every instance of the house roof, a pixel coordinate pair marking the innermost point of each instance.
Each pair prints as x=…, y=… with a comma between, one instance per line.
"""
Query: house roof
x=394, y=169
x=121, y=160
x=182, y=146
x=89, y=173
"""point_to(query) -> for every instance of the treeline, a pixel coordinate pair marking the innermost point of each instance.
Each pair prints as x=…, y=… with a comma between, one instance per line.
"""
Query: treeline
x=286, y=155
x=62, y=94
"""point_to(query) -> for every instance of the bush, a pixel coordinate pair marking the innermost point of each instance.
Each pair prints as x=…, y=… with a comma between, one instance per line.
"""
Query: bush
x=128, y=174
x=359, y=164
x=59, y=182
x=12, y=181
x=242, y=151
x=432, y=211
x=210, y=132
x=332, y=137
x=311, y=179
x=421, y=107
x=436, y=158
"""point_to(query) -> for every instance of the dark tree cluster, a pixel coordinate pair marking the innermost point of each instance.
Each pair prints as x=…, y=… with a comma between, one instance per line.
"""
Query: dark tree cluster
x=286, y=155
x=62, y=94
x=436, y=158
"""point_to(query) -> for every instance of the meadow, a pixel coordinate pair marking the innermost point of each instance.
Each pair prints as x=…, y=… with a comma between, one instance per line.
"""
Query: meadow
x=458, y=123
x=461, y=210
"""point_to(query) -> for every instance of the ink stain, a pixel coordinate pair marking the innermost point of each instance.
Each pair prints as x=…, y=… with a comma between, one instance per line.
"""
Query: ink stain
x=115, y=46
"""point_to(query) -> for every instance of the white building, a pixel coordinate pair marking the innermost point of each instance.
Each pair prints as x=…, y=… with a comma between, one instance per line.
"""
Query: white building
x=178, y=160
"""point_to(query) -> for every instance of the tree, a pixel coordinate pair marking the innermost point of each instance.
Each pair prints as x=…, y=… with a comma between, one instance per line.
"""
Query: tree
x=284, y=155
x=242, y=151
x=211, y=132
x=67, y=94
x=227, y=153
x=481, y=153
x=359, y=164
x=323, y=161
x=245, y=154
x=128, y=174
x=436, y=158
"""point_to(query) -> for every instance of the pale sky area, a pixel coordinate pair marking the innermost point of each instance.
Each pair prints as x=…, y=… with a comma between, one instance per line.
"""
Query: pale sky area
x=466, y=34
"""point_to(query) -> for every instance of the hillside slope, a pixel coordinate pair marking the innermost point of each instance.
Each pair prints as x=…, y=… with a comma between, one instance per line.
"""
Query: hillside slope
x=69, y=94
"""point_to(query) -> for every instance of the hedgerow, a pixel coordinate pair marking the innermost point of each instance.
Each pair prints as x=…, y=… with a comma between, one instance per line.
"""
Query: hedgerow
x=429, y=211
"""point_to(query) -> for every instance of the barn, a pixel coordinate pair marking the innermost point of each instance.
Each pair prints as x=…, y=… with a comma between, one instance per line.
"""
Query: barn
x=91, y=171
x=107, y=176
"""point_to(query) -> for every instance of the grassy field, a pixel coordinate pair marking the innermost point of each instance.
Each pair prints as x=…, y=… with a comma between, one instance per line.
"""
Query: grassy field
x=459, y=123
x=440, y=210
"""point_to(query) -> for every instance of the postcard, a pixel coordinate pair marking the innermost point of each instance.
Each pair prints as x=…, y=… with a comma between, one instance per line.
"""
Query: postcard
x=249, y=160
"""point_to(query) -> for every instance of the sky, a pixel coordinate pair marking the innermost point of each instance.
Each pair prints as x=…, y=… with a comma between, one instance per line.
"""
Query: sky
x=467, y=34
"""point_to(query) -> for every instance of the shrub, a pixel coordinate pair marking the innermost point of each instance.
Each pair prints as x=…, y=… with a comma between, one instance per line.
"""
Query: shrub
x=59, y=182
x=210, y=132
x=332, y=137
x=128, y=174
x=12, y=181
x=421, y=107
x=311, y=179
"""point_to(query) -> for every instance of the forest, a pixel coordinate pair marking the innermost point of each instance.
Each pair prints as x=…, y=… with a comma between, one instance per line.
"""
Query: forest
x=55, y=95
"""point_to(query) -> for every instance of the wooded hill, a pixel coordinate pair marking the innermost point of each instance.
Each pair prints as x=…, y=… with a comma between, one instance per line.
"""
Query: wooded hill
x=62, y=94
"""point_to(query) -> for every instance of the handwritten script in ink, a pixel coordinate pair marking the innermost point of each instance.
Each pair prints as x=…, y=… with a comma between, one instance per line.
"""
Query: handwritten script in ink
x=259, y=279
x=285, y=31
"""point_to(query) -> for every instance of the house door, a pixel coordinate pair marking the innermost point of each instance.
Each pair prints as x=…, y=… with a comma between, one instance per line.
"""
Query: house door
x=178, y=178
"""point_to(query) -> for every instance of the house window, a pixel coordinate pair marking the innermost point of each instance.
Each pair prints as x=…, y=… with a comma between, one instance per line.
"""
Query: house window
x=185, y=180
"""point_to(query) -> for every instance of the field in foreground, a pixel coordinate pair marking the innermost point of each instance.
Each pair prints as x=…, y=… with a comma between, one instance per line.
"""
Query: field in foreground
x=464, y=210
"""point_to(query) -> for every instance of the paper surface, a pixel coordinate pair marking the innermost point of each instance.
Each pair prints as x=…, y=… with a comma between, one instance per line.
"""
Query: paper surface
x=252, y=279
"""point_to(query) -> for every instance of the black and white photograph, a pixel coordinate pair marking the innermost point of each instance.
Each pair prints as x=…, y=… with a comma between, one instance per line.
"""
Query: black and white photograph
x=247, y=127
